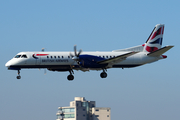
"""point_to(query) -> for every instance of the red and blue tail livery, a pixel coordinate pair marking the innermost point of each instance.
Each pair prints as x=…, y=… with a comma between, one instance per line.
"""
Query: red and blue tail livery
x=154, y=41
x=139, y=55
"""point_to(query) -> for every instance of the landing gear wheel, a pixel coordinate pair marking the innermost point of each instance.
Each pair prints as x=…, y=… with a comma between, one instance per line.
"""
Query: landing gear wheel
x=18, y=77
x=103, y=75
x=70, y=77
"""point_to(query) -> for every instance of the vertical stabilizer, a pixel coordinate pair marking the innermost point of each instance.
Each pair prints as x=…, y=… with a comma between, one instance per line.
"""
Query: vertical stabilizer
x=154, y=42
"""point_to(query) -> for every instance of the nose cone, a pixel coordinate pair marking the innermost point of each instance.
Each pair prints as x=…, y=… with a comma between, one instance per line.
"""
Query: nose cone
x=8, y=64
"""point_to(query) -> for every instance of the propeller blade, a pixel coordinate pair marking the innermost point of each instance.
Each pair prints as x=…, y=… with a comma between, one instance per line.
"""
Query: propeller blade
x=80, y=51
x=44, y=71
x=75, y=52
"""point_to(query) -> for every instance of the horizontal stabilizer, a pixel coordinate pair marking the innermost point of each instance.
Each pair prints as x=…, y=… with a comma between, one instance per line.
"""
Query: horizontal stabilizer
x=120, y=57
x=160, y=51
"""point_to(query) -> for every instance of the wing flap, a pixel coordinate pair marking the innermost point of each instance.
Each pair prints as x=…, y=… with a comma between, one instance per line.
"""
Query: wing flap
x=160, y=51
x=117, y=58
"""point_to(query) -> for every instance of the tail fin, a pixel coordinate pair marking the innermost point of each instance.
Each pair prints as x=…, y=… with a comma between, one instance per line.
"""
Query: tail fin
x=154, y=42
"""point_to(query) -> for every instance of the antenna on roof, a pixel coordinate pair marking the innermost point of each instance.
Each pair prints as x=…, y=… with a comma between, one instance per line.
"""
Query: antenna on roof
x=44, y=69
x=42, y=49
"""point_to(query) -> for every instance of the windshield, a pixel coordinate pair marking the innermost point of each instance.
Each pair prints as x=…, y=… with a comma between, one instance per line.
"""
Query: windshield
x=23, y=56
x=17, y=56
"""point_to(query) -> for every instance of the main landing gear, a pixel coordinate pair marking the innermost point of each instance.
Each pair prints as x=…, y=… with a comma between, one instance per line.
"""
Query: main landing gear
x=70, y=77
x=18, y=77
x=103, y=74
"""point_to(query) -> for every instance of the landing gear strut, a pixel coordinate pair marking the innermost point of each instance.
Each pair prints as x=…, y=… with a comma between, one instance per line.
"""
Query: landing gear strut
x=18, y=77
x=70, y=77
x=103, y=74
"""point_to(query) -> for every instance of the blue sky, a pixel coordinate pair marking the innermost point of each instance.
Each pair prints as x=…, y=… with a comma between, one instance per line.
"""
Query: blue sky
x=147, y=92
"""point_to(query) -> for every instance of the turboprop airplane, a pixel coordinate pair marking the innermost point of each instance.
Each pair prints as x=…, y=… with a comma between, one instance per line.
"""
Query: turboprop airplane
x=149, y=52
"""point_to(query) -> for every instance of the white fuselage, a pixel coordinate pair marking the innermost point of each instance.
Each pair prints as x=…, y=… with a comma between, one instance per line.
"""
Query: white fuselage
x=62, y=61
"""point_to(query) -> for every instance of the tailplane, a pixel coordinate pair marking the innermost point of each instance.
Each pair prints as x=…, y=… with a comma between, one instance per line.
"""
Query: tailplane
x=154, y=42
x=160, y=51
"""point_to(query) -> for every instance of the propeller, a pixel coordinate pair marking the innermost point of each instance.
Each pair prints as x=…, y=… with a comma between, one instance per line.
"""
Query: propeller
x=44, y=71
x=76, y=55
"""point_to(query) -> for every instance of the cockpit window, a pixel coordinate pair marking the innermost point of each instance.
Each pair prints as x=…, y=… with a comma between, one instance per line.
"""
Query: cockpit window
x=24, y=56
x=17, y=56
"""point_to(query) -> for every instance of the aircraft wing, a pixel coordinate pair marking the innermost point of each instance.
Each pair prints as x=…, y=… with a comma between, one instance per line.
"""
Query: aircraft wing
x=160, y=51
x=138, y=48
x=117, y=58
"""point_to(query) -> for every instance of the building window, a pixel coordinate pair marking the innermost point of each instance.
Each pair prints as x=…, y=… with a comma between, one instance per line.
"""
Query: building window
x=84, y=115
x=108, y=110
x=107, y=115
x=83, y=109
x=66, y=110
x=93, y=105
x=69, y=116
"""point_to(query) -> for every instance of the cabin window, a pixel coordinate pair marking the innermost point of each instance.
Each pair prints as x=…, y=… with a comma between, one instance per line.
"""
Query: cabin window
x=62, y=56
x=47, y=56
x=54, y=56
x=68, y=56
x=106, y=56
x=110, y=56
x=58, y=56
x=103, y=56
x=51, y=57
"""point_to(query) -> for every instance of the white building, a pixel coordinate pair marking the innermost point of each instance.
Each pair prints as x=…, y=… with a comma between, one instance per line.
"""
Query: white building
x=80, y=109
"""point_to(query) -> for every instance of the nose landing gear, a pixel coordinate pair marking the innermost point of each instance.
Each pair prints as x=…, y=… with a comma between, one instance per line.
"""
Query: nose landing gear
x=18, y=77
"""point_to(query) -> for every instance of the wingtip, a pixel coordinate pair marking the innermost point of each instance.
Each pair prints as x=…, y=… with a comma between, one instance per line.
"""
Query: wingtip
x=170, y=46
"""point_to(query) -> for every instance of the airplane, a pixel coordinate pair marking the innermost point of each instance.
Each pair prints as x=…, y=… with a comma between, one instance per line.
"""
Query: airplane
x=139, y=55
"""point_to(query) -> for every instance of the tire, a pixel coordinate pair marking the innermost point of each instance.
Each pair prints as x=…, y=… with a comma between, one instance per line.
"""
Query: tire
x=70, y=77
